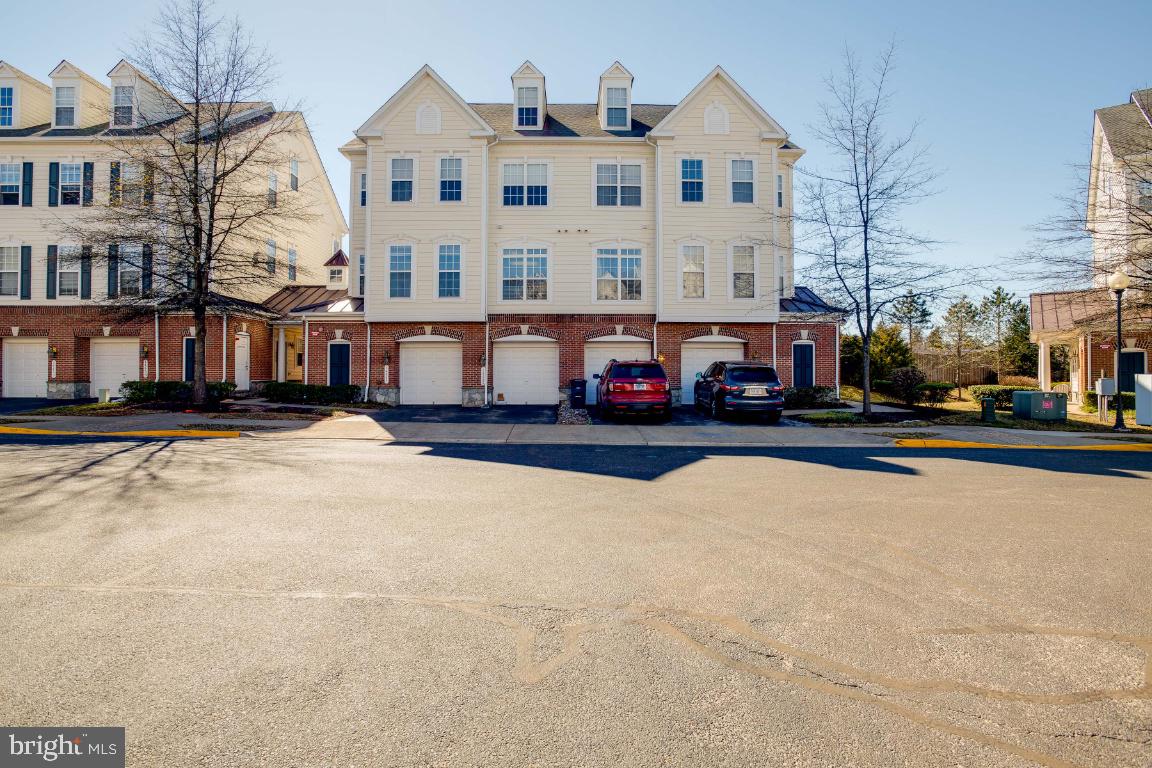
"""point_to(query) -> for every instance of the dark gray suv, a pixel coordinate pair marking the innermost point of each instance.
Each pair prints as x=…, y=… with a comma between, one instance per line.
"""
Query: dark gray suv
x=740, y=386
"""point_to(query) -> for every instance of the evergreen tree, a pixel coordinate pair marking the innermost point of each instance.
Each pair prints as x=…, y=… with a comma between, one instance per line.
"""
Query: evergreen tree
x=958, y=335
x=911, y=313
x=996, y=313
x=1019, y=355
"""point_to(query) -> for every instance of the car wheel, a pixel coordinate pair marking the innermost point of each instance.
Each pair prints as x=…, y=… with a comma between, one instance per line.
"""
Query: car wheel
x=772, y=417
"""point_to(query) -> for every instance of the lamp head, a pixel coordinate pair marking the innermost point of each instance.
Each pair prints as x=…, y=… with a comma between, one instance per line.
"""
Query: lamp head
x=1118, y=280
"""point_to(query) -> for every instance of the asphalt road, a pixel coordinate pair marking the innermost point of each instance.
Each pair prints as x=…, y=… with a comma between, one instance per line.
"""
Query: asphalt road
x=332, y=603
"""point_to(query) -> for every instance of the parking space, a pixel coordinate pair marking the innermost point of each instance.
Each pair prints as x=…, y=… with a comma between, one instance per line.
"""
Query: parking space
x=455, y=414
x=10, y=405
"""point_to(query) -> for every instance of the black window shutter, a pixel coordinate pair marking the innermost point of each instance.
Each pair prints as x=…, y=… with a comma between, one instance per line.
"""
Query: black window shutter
x=113, y=271
x=89, y=173
x=26, y=193
x=50, y=286
x=53, y=184
x=146, y=270
x=25, y=272
x=114, y=184
x=86, y=272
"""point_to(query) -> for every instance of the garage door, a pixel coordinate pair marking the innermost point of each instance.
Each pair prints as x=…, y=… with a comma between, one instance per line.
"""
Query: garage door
x=597, y=355
x=430, y=373
x=694, y=358
x=526, y=373
x=114, y=361
x=25, y=368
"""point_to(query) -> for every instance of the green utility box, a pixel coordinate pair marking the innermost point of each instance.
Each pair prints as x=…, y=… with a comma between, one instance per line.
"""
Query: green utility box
x=1046, y=406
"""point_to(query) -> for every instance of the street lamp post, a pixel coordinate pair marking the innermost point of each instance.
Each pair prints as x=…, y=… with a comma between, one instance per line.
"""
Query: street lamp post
x=1118, y=282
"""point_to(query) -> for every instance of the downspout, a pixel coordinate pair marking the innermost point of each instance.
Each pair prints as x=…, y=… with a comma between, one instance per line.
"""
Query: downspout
x=304, y=373
x=1088, y=384
x=836, y=357
x=484, y=368
x=484, y=259
x=659, y=249
x=368, y=363
x=224, y=351
x=775, y=361
x=156, y=350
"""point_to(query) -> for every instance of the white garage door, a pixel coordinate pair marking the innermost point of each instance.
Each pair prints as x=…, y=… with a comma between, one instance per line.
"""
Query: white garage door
x=597, y=355
x=25, y=368
x=526, y=373
x=695, y=358
x=430, y=373
x=114, y=361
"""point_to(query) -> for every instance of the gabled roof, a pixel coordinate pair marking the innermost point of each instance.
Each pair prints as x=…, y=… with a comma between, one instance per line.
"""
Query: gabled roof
x=805, y=301
x=298, y=299
x=617, y=70
x=398, y=97
x=1128, y=127
x=527, y=69
x=67, y=69
x=7, y=70
x=718, y=73
x=571, y=120
x=339, y=259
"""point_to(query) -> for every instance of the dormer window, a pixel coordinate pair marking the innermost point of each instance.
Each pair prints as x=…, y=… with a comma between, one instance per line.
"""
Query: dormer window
x=7, y=101
x=617, y=107
x=123, y=111
x=527, y=107
x=65, y=106
x=336, y=275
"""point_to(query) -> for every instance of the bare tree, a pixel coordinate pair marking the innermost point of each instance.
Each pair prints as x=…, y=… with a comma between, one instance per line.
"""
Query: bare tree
x=193, y=202
x=861, y=255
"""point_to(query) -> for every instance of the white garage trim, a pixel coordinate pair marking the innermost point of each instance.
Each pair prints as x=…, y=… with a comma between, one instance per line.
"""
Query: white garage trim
x=526, y=372
x=25, y=368
x=696, y=356
x=523, y=337
x=713, y=339
x=431, y=373
x=113, y=362
x=425, y=338
x=617, y=337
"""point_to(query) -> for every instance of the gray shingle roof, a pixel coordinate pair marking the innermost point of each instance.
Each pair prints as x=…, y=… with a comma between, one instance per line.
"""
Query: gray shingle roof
x=1128, y=127
x=572, y=120
x=805, y=301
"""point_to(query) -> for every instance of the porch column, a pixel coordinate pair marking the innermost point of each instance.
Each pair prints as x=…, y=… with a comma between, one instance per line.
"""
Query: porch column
x=1044, y=372
x=281, y=351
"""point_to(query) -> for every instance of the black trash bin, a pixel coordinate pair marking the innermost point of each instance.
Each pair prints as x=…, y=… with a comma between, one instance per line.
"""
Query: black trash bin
x=578, y=393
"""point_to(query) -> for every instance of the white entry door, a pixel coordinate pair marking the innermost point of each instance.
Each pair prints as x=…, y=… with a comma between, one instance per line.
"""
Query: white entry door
x=526, y=373
x=25, y=368
x=695, y=358
x=243, y=362
x=597, y=355
x=430, y=373
x=114, y=361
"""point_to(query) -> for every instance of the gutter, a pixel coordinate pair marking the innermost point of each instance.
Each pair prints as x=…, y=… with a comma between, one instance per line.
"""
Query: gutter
x=368, y=363
x=156, y=348
x=224, y=351
x=659, y=247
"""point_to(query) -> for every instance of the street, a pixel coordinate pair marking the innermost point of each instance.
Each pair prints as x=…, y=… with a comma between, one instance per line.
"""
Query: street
x=349, y=603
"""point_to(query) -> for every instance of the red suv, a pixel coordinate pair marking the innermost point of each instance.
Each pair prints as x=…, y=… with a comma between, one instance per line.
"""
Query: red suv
x=633, y=386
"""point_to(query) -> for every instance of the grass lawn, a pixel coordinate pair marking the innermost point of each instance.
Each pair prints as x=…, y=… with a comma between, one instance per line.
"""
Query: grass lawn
x=86, y=409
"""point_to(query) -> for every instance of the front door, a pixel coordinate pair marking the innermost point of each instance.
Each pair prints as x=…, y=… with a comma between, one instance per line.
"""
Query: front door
x=338, y=368
x=803, y=369
x=243, y=363
x=1131, y=363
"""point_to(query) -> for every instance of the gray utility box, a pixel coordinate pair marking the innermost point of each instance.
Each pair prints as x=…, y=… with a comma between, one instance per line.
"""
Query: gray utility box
x=1049, y=406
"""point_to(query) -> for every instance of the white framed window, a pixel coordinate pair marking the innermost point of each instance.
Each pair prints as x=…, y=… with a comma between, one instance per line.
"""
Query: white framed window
x=617, y=107
x=7, y=107
x=693, y=271
x=71, y=183
x=273, y=187
x=692, y=180
x=65, y=106
x=294, y=174
x=131, y=183
x=363, y=189
x=292, y=264
x=619, y=274
x=526, y=183
x=779, y=190
x=524, y=274
x=400, y=271
x=451, y=179
x=743, y=266
x=618, y=183
x=130, y=269
x=742, y=181
x=68, y=271
x=335, y=274
x=10, y=181
x=402, y=179
x=123, y=105
x=363, y=273
x=270, y=256
x=10, y=271
x=449, y=271
x=527, y=106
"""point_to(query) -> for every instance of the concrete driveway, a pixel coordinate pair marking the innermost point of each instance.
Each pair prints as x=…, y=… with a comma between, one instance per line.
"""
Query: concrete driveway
x=10, y=405
x=340, y=603
x=449, y=414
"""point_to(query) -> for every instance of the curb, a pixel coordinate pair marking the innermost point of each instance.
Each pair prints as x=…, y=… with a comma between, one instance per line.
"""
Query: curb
x=138, y=433
x=915, y=443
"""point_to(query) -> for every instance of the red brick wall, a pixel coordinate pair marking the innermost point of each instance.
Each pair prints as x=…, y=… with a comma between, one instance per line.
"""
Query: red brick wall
x=1106, y=358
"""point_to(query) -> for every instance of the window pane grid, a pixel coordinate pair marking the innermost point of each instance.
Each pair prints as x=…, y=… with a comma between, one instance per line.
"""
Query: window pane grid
x=6, y=107
x=402, y=179
x=400, y=271
x=448, y=280
x=9, y=271
x=617, y=184
x=525, y=274
x=693, y=271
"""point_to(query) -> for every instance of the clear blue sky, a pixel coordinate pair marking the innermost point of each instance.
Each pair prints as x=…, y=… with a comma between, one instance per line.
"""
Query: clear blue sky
x=1004, y=90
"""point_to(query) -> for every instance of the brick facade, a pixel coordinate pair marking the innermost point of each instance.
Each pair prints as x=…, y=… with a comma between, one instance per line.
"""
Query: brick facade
x=1103, y=355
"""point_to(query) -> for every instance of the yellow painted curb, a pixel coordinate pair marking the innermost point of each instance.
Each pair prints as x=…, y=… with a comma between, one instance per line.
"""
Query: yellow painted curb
x=140, y=433
x=915, y=443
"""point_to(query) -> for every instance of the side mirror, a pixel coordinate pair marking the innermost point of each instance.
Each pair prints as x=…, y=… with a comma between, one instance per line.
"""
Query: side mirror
x=699, y=375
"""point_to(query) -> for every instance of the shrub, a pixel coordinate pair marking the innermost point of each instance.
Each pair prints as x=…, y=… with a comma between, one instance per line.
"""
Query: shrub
x=312, y=394
x=1000, y=393
x=934, y=392
x=1092, y=405
x=809, y=397
x=173, y=391
x=906, y=384
x=882, y=385
x=1019, y=381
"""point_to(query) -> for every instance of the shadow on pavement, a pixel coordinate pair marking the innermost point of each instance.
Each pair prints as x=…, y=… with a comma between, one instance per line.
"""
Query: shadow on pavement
x=448, y=414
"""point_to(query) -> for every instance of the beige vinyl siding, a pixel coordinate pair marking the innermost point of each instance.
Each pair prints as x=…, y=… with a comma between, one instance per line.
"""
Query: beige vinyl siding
x=425, y=222
x=33, y=99
x=572, y=226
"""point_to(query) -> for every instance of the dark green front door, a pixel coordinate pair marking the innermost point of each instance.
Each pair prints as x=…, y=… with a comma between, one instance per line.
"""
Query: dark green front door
x=338, y=368
x=1131, y=363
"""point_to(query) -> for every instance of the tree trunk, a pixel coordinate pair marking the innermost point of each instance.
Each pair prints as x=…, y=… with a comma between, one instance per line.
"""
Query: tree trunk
x=200, y=368
x=866, y=348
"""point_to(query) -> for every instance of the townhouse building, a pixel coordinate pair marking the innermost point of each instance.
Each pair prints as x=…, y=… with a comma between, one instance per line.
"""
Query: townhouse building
x=499, y=250
x=58, y=335
x=1118, y=217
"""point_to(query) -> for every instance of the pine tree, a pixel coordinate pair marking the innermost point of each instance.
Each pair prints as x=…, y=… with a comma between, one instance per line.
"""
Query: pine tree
x=996, y=313
x=911, y=313
x=958, y=335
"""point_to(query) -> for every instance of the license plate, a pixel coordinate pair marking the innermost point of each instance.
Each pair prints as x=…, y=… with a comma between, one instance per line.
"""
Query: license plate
x=755, y=391
x=639, y=387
